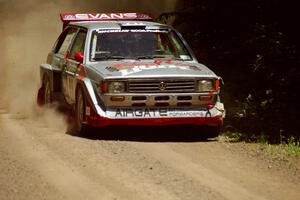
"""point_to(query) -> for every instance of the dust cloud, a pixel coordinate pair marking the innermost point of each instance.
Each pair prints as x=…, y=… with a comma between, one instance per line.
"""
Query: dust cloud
x=28, y=29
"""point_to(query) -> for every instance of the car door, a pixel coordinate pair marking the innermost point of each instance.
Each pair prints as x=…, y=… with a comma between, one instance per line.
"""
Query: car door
x=71, y=70
x=58, y=58
x=61, y=48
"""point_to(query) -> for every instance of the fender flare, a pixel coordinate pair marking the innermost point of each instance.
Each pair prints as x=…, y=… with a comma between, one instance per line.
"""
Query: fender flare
x=47, y=70
x=89, y=94
x=46, y=73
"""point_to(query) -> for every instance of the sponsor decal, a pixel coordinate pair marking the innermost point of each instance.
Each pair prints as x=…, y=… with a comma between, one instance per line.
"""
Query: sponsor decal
x=131, y=68
x=103, y=16
x=132, y=30
x=111, y=69
x=158, y=113
x=69, y=17
x=139, y=112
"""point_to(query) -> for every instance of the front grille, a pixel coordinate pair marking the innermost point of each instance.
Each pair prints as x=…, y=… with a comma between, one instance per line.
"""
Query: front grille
x=161, y=86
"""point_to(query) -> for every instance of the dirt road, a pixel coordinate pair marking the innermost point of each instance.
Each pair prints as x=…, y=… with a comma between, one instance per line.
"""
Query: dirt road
x=40, y=160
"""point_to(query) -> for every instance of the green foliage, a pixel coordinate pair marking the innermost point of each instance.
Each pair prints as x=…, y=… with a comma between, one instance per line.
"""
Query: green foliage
x=233, y=136
x=256, y=50
x=284, y=150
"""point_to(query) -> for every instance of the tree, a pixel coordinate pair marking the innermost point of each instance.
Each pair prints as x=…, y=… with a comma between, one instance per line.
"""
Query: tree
x=255, y=48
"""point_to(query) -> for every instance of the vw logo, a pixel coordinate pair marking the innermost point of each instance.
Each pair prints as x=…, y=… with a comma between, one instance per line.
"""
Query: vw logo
x=162, y=86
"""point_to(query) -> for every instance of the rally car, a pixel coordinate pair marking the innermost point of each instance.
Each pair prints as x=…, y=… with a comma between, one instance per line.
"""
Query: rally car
x=125, y=69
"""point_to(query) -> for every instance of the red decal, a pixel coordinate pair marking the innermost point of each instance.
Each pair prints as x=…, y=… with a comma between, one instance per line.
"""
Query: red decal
x=158, y=62
x=67, y=17
x=144, y=66
x=169, y=62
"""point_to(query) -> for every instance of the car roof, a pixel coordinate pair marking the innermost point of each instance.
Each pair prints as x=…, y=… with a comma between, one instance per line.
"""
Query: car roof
x=117, y=24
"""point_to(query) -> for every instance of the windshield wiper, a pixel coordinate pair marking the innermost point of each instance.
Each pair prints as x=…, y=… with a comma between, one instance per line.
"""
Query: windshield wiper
x=108, y=57
x=160, y=56
x=151, y=56
x=177, y=58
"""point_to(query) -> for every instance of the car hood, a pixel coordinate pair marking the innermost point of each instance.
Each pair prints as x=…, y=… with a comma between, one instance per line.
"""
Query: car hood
x=150, y=68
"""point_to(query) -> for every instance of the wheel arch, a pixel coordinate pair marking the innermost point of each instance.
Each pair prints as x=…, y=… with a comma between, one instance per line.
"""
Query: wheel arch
x=79, y=86
x=89, y=93
x=53, y=75
x=46, y=73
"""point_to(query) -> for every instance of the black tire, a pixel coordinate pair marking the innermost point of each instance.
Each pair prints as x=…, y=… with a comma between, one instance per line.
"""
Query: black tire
x=212, y=131
x=47, y=94
x=80, y=128
x=205, y=132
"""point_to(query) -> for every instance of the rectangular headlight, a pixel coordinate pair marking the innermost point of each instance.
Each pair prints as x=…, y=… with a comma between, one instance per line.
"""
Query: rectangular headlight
x=116, y=87
x=205, y=85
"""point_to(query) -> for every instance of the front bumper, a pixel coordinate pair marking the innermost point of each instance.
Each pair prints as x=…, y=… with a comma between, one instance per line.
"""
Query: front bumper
x=155, y=117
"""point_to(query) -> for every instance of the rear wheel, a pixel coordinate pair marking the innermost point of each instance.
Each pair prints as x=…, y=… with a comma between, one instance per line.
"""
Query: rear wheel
x=47, y=93
x=80, y=113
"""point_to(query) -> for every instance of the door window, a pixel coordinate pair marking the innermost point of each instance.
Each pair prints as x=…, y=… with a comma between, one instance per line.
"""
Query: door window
x=79, y=43
x=65, y=41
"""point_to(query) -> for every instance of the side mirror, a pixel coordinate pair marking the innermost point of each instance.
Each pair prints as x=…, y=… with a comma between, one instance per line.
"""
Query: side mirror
x=78, y=56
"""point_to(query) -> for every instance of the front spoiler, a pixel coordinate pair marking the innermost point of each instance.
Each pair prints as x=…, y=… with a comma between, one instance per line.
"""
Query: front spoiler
x=104, y=121
x=154, y=117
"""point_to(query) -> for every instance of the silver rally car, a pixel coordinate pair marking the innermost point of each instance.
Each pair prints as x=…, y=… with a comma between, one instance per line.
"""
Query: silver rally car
x=124, y=69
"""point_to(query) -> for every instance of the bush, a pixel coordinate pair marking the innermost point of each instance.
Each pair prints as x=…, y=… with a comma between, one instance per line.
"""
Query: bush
x=255, y=51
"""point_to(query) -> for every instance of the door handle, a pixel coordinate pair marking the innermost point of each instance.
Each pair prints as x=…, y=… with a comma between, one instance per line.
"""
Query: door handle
x=70, y=73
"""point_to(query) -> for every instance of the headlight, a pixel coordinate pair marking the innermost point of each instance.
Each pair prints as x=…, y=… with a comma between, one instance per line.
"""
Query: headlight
x=116, y=87
x=205, y=85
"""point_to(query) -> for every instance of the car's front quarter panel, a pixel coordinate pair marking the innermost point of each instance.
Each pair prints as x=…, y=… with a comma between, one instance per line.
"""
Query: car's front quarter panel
x=149, y=105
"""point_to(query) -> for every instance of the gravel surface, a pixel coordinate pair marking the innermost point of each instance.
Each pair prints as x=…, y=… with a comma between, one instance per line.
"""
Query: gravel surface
x=40, y=159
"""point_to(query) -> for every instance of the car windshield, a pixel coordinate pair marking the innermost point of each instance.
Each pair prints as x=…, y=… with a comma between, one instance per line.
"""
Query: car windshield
x=137, y=44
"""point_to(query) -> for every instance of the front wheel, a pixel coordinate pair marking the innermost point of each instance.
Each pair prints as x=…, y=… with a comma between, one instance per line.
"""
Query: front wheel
x=212, y=131
x=205, y=132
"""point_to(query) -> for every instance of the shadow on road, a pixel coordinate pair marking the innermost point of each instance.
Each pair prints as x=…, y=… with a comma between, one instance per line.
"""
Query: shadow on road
x=175, y=133
x=148, y=134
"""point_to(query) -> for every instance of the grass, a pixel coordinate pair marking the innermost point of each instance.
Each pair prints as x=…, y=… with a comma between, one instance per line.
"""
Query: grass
x=233, y=136
x=283, y=151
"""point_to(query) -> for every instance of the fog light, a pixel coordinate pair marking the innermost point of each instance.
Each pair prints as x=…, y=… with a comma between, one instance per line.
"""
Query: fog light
x=210, y=106
x=205, y=98
x=117, y=98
